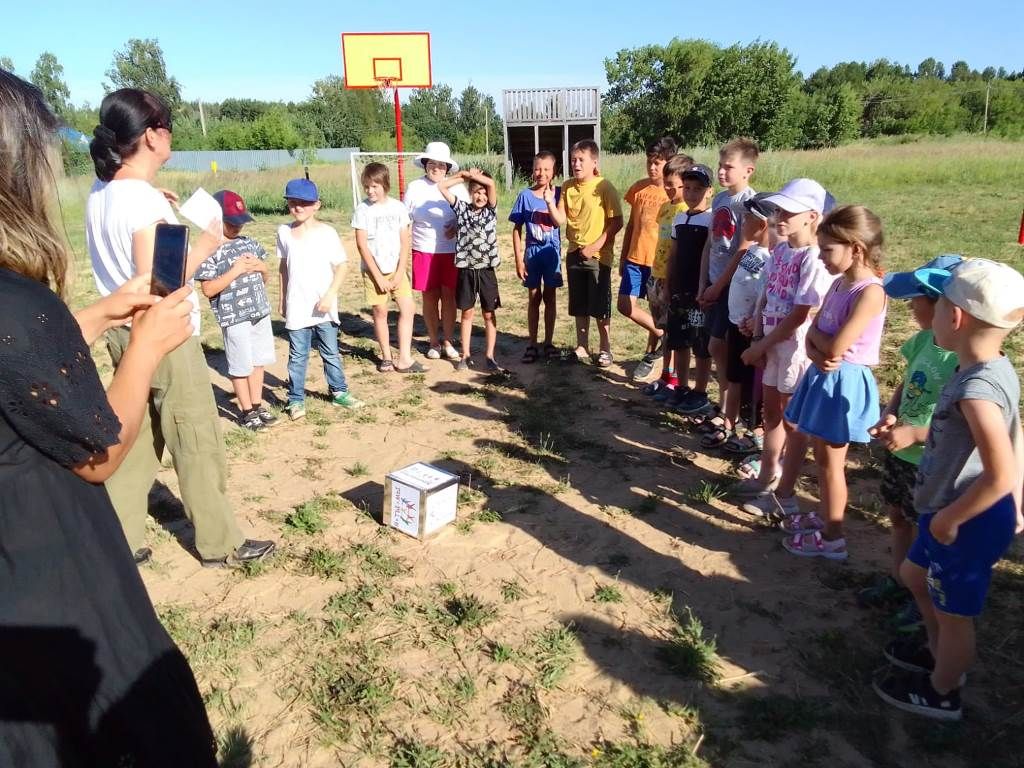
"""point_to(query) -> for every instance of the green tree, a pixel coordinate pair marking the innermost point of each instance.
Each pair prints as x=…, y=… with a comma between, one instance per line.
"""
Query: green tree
x=6, y=63
x=432, y=114
x=961, y=71
x=48, y=77
x=829, y=117
x=244, y=110
x=931, y=68
x=141, y=65
x=345, y=115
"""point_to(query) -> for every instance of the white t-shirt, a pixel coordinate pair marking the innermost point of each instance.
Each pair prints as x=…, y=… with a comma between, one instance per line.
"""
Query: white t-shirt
x=747, y=282
x=727, y=217
x=114, y=212
x=793, y=277
x=431, y=214
x=383, y=223
x=309, y=262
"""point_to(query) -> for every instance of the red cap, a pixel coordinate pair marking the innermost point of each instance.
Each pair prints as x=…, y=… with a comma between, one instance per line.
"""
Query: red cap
x=233, y=207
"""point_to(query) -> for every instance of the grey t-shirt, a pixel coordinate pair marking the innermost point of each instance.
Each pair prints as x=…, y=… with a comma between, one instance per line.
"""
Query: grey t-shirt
x=726, y=224
x=245, y=298
x=951, y=462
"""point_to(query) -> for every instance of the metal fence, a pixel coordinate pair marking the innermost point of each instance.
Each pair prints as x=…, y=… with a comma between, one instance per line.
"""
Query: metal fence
x=255, y=159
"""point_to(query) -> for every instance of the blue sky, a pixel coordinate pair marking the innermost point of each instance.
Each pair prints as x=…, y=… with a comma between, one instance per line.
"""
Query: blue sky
x=275, y=50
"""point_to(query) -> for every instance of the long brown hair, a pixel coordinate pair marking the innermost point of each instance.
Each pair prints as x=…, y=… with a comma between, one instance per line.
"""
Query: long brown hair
x=30, y=242
x=855, y=224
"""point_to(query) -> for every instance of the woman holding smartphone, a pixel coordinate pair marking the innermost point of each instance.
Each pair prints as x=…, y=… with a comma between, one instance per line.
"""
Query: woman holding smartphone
x=131, y=143
x=88, y=676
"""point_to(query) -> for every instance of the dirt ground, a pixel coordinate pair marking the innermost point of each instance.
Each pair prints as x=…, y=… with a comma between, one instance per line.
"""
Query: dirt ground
x=553, y=625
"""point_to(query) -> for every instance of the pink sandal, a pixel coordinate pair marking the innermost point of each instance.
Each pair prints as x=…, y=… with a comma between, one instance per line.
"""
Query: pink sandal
x=802, y=523
x=815, y=545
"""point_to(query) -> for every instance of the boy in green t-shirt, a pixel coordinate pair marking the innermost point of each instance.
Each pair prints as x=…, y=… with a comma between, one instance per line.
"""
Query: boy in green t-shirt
x=590, y=209
x=929, y=367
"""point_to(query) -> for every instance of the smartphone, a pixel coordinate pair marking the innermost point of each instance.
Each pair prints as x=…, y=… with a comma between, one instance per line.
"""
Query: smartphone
x=170, y=252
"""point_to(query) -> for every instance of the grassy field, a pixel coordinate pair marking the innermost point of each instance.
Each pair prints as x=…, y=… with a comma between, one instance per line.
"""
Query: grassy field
x=598, y=603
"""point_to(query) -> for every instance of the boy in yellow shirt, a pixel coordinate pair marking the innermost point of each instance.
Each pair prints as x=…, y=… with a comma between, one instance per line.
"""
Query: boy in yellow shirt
x=592, y=214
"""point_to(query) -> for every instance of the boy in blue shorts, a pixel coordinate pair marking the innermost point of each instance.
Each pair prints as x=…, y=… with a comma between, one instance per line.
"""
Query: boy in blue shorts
x=540, y=261
x=639, y=244
x=968, y=487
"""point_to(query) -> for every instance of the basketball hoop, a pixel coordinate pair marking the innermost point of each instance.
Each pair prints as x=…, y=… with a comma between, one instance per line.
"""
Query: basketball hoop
x=388, y=60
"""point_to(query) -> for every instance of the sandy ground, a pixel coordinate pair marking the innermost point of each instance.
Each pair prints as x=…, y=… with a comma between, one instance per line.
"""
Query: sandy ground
x=595, y=487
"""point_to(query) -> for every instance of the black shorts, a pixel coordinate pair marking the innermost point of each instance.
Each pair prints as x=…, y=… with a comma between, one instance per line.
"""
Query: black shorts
x=685, y=326
x=590, y=287
x=717, y=317
x=477, y=282
x=736, y=371
x=898, y=478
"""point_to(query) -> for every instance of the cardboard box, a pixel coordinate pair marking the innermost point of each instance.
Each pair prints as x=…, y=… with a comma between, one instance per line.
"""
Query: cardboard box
x=420, y=499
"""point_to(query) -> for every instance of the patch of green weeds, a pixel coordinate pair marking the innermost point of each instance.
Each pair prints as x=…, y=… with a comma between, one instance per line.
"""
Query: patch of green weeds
x=218, y=643
x=512, y=591
x=377, y=562
x=352, y=606
x=647, y=505
x=325, y=563
x=502, y=652
x=409, y=753
x=366, y=416
x=235, y=748
x=358, y=469
x=640, y=754
x=526, y=715
x=553, y=652
x=307, y=518
x=688, y=652
x=463, y=612
x=252, y=569
x=237, y=440
x=346, y=696
x=607, y=593
x=770, y=718
x=453, y=695
x=488, y=516
x=704, y=492
x=448, y=588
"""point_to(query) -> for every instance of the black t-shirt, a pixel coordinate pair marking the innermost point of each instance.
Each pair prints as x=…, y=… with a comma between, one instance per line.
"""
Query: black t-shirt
x=690, y=231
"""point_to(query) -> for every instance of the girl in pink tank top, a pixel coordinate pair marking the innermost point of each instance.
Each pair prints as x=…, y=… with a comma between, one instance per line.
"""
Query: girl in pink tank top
x=836, y=401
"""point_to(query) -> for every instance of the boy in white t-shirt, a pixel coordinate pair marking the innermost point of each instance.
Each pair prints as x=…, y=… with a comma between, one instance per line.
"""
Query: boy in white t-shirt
x=381, y=224
x=744, y=293
x=312, y=269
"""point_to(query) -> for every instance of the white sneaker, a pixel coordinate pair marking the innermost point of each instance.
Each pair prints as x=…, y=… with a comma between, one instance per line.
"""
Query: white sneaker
x=433, y=353
x=296, y=411
x=768, y=505
x=450, y=353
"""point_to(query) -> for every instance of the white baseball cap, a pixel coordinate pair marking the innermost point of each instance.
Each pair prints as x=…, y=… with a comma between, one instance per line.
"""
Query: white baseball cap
x=798, y=196
x=991, y=291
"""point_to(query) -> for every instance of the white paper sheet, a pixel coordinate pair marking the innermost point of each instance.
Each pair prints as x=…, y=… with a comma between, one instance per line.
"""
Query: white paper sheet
x=201, y=208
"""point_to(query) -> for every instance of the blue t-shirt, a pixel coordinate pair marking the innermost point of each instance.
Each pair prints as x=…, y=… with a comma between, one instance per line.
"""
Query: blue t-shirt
x=532, y=212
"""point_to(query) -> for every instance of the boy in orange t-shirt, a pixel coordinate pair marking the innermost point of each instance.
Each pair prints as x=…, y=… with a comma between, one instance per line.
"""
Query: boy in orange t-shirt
x=639, y=243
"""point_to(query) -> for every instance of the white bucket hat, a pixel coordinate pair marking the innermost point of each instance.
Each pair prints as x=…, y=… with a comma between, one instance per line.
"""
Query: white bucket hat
x=439, y=152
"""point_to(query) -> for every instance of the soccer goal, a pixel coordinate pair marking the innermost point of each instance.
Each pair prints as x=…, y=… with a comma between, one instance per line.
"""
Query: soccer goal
x=401, y=167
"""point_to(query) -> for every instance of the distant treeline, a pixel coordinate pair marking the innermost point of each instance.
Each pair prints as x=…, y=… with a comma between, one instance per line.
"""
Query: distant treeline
x=696, y=91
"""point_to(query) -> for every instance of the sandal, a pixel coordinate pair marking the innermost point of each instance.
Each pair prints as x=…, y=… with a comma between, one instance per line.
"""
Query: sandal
x=744, y=444
x=530, y=354
x=551, y=352
x=414, y=367
x=750, y=468
x=801, y=523
x=603, y=359
x=386, y=366
x=715, y=439
x=815, y=545
x=710, y=424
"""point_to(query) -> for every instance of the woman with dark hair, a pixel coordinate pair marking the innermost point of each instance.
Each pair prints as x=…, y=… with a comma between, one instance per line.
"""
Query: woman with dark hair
x=131, y=143
x=88, y=676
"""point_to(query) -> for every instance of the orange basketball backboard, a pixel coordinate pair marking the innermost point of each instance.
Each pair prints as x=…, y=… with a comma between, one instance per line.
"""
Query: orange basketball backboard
x=400, y=59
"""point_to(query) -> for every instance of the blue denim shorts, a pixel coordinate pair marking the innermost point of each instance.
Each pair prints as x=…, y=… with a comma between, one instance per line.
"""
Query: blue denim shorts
x=959, y=573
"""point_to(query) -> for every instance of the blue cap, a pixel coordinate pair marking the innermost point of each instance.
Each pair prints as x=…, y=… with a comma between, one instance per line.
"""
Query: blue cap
x=925, y=281
x=301, y=189
x=699, y=172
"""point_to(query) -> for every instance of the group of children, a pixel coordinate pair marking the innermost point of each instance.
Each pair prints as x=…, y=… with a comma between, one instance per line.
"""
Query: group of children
x=779, y=295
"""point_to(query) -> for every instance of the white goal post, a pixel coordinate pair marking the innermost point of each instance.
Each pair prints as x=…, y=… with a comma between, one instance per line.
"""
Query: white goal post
x=360, y=160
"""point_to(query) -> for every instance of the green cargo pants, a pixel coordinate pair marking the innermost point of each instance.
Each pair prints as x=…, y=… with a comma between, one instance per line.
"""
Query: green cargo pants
x=182, y=415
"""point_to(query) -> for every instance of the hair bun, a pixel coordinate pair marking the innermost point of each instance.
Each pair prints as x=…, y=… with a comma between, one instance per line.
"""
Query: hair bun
x=104, y=134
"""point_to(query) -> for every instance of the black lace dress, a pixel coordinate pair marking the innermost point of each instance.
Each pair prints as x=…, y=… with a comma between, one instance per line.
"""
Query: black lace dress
x=88, y=676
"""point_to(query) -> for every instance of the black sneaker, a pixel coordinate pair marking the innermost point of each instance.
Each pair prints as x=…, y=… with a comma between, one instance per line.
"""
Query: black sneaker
x=250, y=550
x=268, y=418
x=142, y=555
x=911, y=655
x=251, y=420
x=644, y=367
x=694, y=402
x=913, y=692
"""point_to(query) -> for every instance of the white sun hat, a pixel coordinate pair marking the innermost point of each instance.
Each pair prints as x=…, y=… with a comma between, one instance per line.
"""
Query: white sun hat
x=439, y=152
x=799, y=195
